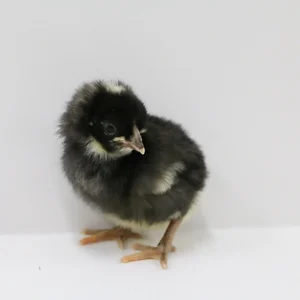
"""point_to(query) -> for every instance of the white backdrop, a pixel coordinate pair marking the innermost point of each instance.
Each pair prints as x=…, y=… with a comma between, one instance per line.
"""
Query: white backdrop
x=229, y=71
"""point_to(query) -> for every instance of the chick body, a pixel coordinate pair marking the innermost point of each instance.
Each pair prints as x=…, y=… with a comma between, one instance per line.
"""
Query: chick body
x=105, y=130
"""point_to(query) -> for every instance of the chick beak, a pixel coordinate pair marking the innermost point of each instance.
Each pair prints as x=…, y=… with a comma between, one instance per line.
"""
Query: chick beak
x=135, y=142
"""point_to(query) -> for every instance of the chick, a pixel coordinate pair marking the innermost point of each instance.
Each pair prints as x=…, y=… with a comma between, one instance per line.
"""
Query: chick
x=140, y=170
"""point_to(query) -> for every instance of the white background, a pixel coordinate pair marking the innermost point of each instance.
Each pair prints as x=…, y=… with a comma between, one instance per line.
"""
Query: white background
x=229, y=71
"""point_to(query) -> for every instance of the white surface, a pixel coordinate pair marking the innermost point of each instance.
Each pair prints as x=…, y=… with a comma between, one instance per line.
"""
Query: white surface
x=227, y=70
x=225, y=265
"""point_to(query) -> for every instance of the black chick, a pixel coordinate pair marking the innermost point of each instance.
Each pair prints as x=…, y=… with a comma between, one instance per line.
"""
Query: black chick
x=140, y=170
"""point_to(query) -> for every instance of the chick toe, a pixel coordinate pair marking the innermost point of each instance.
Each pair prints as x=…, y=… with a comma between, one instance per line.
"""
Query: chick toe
x=148, y=252
x=118, y=234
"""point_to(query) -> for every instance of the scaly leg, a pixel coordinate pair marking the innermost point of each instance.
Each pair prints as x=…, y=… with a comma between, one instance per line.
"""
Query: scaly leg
x=161, y=251
x=118, y=234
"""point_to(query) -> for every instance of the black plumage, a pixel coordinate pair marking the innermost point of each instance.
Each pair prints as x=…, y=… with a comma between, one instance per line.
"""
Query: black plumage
x=139, y=169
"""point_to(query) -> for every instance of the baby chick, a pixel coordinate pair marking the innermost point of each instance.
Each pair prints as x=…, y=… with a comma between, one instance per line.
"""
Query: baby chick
x=140, y=170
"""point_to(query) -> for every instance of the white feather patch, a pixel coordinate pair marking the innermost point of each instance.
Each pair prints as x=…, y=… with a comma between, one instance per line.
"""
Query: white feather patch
x=134, y=225
x=168, y=179
x=114, y=87
x=176, y=215
x=94, y=148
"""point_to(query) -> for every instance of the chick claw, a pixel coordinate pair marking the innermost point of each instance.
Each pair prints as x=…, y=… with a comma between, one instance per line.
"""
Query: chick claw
x=118, y=234
x=148, y=252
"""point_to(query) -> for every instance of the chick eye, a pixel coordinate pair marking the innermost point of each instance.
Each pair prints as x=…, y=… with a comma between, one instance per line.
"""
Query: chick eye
x=109, y=129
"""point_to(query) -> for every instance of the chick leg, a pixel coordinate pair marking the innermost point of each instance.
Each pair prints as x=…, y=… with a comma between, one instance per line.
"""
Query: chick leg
x=160, y=252
x=118, y=234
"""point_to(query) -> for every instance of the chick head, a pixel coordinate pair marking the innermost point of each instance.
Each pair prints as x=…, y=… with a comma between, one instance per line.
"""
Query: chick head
x=106, y=118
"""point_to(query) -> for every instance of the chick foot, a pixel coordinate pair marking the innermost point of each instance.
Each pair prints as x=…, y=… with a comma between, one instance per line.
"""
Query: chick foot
x=118, y=234
x=160, y=252
x=148, y=252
